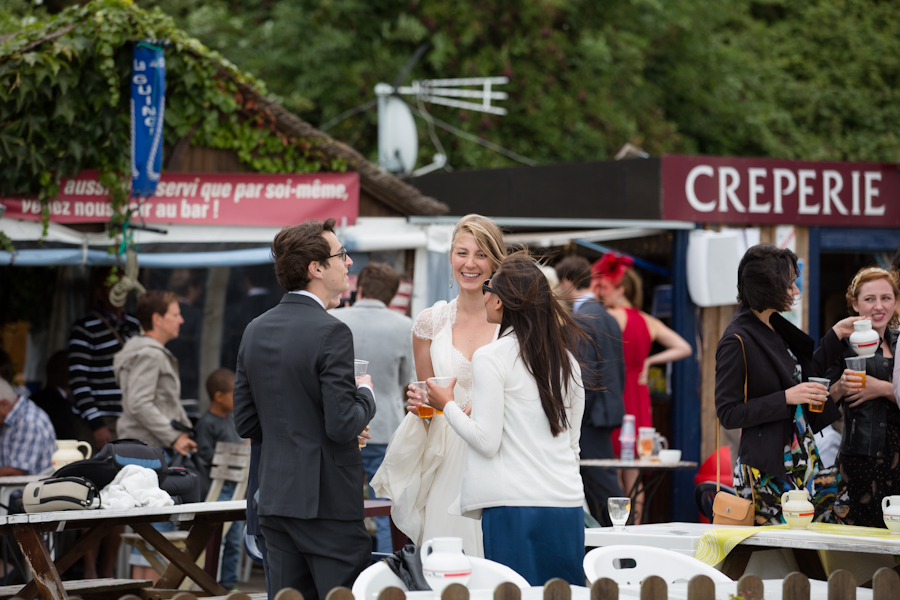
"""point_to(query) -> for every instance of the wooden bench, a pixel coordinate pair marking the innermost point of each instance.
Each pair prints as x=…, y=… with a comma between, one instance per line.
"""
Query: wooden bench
x=90, y=589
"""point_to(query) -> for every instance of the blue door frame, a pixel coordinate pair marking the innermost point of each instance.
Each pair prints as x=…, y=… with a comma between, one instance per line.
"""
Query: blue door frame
x=685, y=378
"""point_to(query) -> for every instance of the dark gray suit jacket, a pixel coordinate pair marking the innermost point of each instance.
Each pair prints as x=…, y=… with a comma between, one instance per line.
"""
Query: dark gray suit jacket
x=603, y=367
x=294, y=390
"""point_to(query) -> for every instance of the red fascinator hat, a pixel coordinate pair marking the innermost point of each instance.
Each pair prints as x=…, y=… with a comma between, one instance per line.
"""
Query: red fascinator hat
x=612, y=266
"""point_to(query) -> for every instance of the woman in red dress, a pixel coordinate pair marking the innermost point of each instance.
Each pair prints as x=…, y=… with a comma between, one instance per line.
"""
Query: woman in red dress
x=622, y=295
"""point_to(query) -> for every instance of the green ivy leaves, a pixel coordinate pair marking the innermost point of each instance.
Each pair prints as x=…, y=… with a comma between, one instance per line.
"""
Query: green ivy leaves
x=64, y=103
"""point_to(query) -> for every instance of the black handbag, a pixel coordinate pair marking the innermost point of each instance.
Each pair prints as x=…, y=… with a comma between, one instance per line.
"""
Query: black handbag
x=104, y=467
x=182, y=485
x=406, y=564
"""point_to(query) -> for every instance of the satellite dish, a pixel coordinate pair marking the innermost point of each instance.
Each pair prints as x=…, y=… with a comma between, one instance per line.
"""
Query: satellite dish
x=397, y=136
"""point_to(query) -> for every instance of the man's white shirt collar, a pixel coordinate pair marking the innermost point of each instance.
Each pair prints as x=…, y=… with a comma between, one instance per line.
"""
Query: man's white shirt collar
x=311, y=295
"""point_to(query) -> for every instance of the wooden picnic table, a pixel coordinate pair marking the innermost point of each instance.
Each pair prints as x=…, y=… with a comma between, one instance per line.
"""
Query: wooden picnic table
x=204, y=520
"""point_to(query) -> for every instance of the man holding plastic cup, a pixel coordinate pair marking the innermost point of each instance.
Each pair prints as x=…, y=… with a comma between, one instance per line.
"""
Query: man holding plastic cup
x=381, y=337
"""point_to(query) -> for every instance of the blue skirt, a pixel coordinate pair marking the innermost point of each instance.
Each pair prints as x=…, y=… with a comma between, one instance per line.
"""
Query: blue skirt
x=536, y=542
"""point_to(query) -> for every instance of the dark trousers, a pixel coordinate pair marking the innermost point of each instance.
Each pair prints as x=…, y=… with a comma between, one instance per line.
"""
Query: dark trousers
x=599, y=484
x=314, y=556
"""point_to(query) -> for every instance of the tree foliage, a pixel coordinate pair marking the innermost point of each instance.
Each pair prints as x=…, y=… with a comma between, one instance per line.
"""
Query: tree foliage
x=64, y=101
x=814, y=80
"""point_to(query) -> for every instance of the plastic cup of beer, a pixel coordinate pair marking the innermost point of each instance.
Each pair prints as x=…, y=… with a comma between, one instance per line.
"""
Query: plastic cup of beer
x=359, y=367
x=812, y=407
x=424, y=411
x=858, y=364
x=443, y=382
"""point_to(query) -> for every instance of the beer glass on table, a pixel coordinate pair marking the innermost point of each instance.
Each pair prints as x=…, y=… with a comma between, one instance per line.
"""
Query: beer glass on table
x=619, y=509
x=646, y=438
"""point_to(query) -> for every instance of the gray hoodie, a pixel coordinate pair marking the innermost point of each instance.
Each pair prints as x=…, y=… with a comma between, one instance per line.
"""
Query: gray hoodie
x=151, y=392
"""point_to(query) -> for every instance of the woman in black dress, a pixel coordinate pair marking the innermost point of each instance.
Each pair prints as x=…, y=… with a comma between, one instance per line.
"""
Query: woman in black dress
x=870, y=445
x=763, y=364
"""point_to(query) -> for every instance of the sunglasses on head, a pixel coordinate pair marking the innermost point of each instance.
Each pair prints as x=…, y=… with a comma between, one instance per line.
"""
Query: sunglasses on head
x=486, y=288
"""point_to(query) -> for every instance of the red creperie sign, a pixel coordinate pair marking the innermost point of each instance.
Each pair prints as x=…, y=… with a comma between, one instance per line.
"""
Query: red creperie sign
x=208, y=199
x=707, y=189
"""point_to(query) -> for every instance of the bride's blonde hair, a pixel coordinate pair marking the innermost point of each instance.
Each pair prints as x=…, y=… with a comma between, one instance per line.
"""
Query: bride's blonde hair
x=487, y=235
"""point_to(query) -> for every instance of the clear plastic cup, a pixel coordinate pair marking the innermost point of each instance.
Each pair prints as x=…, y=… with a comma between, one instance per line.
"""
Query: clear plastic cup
x=359, y=367
x=826, y=383
x=424, y=411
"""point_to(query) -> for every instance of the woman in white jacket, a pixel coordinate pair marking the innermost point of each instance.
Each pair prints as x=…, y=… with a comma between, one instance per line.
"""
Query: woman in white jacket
x=522, y=475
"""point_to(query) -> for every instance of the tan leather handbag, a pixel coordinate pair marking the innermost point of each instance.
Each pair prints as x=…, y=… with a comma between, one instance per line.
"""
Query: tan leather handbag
x=729, y=509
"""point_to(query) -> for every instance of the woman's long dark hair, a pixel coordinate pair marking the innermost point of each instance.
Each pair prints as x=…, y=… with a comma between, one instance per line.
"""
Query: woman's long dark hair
x=545, y=331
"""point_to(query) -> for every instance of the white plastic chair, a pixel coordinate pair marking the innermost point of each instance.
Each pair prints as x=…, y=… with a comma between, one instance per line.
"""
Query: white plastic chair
x=373, y=579
x=630, y=565
x=486, y=575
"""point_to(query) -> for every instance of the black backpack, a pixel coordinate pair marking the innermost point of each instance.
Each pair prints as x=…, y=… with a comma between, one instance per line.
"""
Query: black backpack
x=103, y=468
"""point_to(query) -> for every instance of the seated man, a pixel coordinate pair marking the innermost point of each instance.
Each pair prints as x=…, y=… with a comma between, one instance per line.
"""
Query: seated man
x=27, y=439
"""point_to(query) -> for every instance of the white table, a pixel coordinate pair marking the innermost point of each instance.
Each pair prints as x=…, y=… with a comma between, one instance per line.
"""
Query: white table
x=856, y=552
x=772, y=590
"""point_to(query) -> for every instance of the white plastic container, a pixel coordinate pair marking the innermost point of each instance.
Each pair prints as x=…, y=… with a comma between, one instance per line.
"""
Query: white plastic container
x=864, y=340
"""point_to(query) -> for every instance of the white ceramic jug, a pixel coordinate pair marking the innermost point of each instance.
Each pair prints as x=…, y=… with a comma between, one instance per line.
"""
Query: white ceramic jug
x=864, y=339
x=796, y=508
x=890, y=510
x=67, y=451
x=443, y=563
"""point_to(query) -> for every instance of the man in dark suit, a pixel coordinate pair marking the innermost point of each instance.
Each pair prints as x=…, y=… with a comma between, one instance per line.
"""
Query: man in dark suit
x=295, y=391
x=603, y=373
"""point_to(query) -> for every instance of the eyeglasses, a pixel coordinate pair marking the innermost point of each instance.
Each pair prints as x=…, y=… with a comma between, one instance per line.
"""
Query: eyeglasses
x=343, y=254
x=486, y=288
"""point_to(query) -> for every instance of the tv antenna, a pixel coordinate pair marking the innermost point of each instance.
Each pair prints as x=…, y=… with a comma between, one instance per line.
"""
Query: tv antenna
x=398, y=140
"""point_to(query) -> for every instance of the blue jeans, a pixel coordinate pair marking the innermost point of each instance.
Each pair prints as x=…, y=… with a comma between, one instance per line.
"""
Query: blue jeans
x=373, y=456
x=231, y=544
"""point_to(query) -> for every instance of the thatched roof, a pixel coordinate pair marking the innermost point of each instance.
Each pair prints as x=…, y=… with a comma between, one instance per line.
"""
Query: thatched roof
x=384, y=186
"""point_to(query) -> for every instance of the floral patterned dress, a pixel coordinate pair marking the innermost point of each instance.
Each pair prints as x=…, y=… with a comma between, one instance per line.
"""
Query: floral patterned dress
x=804, y=471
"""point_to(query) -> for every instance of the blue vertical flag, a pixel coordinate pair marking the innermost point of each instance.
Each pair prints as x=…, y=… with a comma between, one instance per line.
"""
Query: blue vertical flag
x=148, y=102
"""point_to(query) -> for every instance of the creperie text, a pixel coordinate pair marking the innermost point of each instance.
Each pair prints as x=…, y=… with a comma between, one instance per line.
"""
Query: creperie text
x=817, y=192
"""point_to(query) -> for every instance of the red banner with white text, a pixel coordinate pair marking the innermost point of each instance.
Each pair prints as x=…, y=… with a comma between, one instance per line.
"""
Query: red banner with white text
x=711, y=189
x=208, y=199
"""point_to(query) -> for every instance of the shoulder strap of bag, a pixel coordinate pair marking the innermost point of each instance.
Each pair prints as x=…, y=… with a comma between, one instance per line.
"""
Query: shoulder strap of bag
x=719, y=425
x=109, y=326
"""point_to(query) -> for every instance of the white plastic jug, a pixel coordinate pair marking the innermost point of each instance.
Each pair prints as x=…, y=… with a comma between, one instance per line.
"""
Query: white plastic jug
x=890, y=511
x=443, y=563
x=796, y=508
x=68, y=451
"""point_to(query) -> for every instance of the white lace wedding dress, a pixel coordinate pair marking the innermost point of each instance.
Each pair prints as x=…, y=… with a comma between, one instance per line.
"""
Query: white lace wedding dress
x=424, y=465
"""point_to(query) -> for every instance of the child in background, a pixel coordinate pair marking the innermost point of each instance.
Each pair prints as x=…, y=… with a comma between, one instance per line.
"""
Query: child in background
x=215, y=426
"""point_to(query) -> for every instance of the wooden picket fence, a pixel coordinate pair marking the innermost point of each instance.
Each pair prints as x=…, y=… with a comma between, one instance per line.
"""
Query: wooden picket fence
x=841, y=586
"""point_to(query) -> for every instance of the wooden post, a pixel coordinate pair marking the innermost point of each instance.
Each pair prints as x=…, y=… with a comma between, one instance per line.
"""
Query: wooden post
x=841, y=586
x=795, y=587
x=557, y=589
x=885, y=584
x=701, y=587
x=339, y=593
x=605, y=589
x=750, y=587
x=506, y=591
x=391, y=593
x=288, y=594
x=654, y=588
x=455, y=591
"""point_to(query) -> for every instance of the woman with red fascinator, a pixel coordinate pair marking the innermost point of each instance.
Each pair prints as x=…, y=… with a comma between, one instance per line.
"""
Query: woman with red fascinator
x=619, y=288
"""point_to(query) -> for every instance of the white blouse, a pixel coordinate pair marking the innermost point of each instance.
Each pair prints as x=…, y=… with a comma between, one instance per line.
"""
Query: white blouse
x=513, y=459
